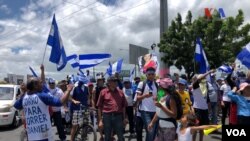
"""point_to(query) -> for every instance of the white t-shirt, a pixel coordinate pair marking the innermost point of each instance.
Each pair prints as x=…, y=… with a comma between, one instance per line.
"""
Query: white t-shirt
x=187, y=136
x=57, y=92
x=161, y=114
x=226, y=89
x=129, y=96
x=199, y=100
x=147, y=104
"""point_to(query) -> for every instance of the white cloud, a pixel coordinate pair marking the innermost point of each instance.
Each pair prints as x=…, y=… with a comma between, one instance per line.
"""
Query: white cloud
x=94, y=29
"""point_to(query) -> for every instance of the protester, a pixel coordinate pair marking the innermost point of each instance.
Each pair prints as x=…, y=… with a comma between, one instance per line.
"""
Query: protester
x=127, y=90
x=35, y=104
x=99, y=87
x=112, y=110
x=188, y=127
x=79, y=96
x=146, y=91
x=185, y=97
x=57, y=115
x=226, y=101
x=138, y=120
x=200, y=102
x=242, y=98
x=165, y=114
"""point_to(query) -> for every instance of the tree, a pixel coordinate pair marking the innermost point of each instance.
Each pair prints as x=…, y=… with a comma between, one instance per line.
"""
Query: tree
x=222, y=40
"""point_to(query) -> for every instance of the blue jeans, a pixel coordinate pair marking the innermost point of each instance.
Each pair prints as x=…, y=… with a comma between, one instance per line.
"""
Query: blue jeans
x=113, y=122
x=147, y=117
x=214, y=112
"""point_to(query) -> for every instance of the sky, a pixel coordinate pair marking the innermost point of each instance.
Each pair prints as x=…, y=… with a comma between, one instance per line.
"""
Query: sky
x=88, y=26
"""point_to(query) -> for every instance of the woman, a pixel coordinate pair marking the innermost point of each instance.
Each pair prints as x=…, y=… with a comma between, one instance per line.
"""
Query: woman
x=167, y=128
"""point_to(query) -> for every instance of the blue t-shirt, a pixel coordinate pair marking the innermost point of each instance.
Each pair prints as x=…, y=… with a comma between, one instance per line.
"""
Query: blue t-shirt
x=80, y=95
x=243, y=104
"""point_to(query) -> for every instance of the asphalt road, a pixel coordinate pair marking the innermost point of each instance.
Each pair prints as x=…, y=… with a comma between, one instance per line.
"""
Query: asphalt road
x=10, y=134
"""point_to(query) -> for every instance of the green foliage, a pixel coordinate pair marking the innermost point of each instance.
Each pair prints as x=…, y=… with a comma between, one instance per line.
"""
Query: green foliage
x=222, y=40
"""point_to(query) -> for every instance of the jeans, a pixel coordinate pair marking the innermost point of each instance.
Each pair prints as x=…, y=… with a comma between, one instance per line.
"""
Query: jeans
x=113, y=122
x=147, y=117
x=213, y=112
x=130, y=114
x=57, y=118
x=138, y=128
x=225, y=111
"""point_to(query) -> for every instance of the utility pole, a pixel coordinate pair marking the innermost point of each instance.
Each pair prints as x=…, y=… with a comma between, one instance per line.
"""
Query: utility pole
x=163, y=28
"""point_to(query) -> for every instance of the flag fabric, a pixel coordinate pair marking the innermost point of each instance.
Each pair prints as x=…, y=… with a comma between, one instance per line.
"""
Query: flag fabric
x=225, y=68
x=132, y=75
x=33, y=72
x=57, y=55
x=72, y=59
x=200, y=57
x=244, y=56
x=91, y=60
x=115, y=68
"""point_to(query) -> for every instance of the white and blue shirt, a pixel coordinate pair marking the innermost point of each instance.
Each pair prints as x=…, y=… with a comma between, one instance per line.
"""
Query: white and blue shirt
x=35, y=107
x=57, y=92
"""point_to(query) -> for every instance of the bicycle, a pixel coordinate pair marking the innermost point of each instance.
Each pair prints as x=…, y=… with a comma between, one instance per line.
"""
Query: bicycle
x=85, y=129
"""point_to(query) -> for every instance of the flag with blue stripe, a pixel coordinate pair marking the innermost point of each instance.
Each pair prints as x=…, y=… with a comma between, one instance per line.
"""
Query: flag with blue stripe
x=72, y=59
x=200, y=57
x=115, y=68
x=91, y=60
x=57, y=55
x=225, y=68
x=244, y=56
x=132, y=75
x=45, y=88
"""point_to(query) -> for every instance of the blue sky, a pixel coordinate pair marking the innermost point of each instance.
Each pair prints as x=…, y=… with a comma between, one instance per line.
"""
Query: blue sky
x=88, y=26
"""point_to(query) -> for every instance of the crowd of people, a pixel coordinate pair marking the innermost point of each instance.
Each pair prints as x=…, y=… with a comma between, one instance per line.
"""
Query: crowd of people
x=167, y=109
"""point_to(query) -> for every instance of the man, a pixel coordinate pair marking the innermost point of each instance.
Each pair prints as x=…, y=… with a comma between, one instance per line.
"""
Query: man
x=185, y=97
x=112, y=110
x=35, y=105
x=57, y=115
x=79, y=96
x=200, y=101
x=127, y=90
x=146, y=91
x=99, y=87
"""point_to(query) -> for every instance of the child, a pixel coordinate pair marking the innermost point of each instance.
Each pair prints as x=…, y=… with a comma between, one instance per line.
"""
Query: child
x=242, y=101
x=188, y=127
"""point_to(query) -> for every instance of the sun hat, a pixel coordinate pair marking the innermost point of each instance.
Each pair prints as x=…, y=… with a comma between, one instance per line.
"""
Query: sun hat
x=166, y=82
x=243, y=86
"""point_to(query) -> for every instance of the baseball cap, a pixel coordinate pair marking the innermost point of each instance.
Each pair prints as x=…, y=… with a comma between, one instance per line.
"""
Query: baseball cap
x=182, y=81
x=52, y=81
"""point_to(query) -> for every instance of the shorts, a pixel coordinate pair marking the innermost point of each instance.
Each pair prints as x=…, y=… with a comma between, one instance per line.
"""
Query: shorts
x=202, y=116
x=77, y=118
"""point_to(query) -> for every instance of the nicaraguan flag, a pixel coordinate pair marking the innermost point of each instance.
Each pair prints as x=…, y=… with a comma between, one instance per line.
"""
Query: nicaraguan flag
x=115, y=68
x=225, y=68
x=91, y=60
x=57, y=55
x=45, y=88
x=244, y=56
x=132, y=75
x=72, y=59
x=200, y=57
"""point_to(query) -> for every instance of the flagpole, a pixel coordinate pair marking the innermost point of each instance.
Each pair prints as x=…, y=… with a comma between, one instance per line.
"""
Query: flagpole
x=44, y=53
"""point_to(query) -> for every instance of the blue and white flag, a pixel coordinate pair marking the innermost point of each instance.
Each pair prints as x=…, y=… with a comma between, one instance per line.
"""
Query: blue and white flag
x=200, y=57
x=72, y=59
x=225, y=68
x=57, y=55
x=45, y=88
x=244, y=56
x=33, y=72
x=91, y=60
x=115, y=68
x=132, y=75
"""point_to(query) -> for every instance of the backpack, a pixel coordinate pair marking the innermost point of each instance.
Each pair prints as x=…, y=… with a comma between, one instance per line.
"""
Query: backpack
x=179, y=108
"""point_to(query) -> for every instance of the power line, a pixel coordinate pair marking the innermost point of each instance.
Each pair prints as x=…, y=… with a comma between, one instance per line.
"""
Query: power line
x=34, y=24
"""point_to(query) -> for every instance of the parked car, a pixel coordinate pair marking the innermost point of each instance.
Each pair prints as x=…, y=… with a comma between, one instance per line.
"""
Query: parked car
x=8, y=114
